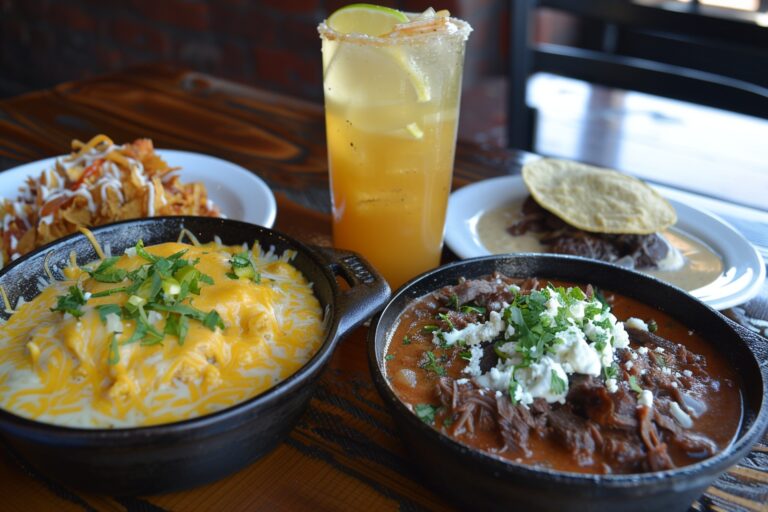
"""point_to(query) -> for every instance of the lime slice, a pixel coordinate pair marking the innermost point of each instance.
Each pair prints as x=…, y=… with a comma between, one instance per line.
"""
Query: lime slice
x=418, y=79
x=372, y=20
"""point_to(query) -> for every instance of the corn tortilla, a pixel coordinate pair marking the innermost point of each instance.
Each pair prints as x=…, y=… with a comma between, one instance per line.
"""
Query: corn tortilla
x=597, y=199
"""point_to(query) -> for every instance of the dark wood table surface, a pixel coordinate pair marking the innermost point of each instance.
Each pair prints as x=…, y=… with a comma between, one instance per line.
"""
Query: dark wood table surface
x=345, y=453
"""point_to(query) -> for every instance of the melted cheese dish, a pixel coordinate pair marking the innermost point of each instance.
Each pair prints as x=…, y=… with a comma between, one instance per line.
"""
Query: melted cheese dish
x=88, y=367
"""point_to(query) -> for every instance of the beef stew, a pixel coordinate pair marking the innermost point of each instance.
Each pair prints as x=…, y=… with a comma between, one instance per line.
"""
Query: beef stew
x=476, y=361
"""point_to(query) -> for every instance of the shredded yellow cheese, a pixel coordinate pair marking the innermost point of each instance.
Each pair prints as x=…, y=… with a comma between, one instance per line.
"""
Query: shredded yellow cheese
x=95, y=243
x=56, y=368
x=192, y=238
x=6, y=302
x=83, y=148
x=46, y=267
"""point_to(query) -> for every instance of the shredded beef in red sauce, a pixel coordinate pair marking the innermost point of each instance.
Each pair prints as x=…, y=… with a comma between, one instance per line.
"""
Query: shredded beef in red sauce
x=630, y=438
x=634, y=251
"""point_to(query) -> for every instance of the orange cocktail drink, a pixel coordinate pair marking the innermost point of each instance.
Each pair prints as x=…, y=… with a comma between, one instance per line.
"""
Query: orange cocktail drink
x=392, y=107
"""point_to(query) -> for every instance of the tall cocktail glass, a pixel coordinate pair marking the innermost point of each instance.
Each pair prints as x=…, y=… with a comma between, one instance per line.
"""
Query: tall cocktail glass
x=391, y=111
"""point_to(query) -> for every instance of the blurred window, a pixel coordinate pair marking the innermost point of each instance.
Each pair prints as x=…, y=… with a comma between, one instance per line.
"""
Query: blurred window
x=741, y=5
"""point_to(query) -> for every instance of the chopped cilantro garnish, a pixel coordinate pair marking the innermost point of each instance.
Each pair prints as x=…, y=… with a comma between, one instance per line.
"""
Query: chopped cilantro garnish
x=110, y=291
x=611, y=372
x=502, y=354
x=151, y=336
x=653, y=326
x=389, y=357
x=453, y=302
x=425, y=412
x=71, y=302
x=138, y=334
x=660, y=360
x=444, y=317
x=557, y=385
x=468, y=308
x=432, y=364
x=633, y=384
x=177, y=325
x=600, y=296
x=550, y=322
x=141, y=251
x=576, y=293
x=106, y=309
x=106, y=273
x=512, y=390
x=212, y=320
x=162, y=284
x=407, y=340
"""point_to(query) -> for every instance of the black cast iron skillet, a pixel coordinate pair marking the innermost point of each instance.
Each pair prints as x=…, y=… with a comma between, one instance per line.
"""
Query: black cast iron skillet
x=162, y=458
x=480, y=482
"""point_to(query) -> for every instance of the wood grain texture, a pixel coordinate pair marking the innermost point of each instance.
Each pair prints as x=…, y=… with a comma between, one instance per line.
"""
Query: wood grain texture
x=345, y=453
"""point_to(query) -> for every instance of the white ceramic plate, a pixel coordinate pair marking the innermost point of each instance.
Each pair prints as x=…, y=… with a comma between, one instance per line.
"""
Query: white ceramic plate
x=238, y=193
x=744, y=268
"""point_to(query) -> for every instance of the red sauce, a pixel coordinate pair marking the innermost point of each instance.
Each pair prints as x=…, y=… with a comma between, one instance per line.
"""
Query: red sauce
x=714, y=383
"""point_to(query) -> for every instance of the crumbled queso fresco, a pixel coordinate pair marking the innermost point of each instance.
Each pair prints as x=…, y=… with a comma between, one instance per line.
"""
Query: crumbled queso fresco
x=546, y=335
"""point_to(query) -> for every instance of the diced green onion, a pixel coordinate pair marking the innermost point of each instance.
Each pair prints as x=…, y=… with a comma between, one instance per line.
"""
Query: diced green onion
x=244, y=272
x=171, y=286
x=137, y=301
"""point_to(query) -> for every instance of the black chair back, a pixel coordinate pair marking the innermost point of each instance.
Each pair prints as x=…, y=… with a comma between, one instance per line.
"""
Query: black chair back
x=689, y=53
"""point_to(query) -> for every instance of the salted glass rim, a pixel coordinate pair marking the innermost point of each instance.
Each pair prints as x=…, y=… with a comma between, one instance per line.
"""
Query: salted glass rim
x=461, y=32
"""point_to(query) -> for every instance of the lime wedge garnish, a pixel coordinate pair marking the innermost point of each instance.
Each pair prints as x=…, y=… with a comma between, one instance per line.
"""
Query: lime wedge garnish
x=372, y=20
x=375, y=20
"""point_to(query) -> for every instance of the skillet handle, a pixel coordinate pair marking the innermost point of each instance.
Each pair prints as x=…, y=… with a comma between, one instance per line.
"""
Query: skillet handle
x=367, y=293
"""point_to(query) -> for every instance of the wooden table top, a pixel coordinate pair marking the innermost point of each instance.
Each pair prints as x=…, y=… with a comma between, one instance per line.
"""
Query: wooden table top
x=345, y=453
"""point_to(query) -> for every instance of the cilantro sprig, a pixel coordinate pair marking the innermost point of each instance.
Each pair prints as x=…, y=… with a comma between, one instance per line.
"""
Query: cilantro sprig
x=557, y=385
x=469, y=308
x=611, y=372
x=447, y=320
x=432, y=364
x=163, y=285
x=536, y=322
x=425, y=412
x=512, y=390
x=71, y=303
x=106, y=273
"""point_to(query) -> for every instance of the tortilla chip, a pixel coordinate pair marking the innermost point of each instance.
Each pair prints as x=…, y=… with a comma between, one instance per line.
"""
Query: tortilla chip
x=597, y=199
x=115, y=191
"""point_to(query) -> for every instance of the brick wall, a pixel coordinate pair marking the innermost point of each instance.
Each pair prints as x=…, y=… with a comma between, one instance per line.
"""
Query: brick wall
x=269, y=43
